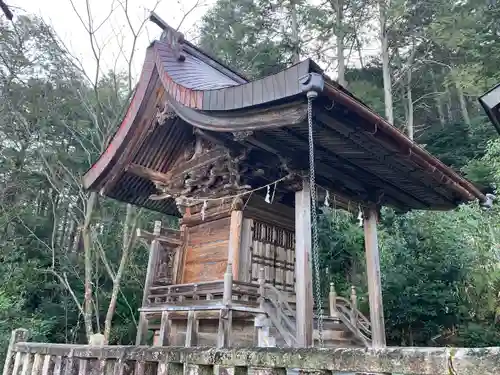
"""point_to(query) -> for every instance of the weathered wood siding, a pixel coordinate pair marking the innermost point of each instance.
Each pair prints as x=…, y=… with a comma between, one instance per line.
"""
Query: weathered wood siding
x=206, y=251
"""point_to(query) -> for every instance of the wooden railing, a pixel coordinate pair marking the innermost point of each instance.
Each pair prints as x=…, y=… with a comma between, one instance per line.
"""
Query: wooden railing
x=25, y=358
x=347, y=312
x=274, y=303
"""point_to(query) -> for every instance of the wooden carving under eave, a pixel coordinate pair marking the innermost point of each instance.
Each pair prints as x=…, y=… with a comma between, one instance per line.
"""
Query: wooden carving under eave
x=204, y=171
x=164, y=114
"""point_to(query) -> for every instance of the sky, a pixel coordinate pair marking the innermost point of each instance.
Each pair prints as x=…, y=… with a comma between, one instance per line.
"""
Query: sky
x=113, y=35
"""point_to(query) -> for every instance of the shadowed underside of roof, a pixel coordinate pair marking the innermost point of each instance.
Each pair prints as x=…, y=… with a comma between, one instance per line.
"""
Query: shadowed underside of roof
x=358, y=154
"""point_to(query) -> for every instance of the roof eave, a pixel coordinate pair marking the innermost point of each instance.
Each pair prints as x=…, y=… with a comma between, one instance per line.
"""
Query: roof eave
x=466, y=188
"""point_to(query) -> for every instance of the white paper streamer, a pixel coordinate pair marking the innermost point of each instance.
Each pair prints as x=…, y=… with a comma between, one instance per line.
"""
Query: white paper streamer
x=203, y=210
x=268, y=194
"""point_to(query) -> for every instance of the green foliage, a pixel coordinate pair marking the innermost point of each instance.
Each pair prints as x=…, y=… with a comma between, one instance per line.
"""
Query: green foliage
x=247, y=36
x=341, y=248
x=457, y=144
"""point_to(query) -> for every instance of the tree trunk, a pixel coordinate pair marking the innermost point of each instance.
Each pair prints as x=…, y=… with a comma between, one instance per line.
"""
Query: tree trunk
x=449, y=103
x=437, y=99
x=409, y=124
x=463, y=104
x=128, y=240
x=340, y=42
x=386, y=72
x=87, y=247
x=360, y=52
x=295, y=32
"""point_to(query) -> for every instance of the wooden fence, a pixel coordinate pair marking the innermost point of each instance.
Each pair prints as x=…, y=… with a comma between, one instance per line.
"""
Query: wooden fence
x=26, y=358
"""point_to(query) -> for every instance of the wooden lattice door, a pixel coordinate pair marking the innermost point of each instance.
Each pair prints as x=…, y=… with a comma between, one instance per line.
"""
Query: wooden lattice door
x=273, y=248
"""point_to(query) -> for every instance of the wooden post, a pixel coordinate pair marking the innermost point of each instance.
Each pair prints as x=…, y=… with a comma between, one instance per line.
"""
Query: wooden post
x=165, y=328
x=374, y=282
x=228, y=286
x=303, y=274
x=150, y=274
x=333, y=301
x=235, y=227
x=225, y=317
x=262, y=290
x=354, y=306
x=191, y=329
x=17, y=335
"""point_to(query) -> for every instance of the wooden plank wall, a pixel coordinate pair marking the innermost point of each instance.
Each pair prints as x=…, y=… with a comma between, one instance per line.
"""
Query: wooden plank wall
x=206, y=251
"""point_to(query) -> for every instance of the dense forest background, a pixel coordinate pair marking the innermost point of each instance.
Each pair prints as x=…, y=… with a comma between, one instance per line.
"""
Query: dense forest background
x=70, y=264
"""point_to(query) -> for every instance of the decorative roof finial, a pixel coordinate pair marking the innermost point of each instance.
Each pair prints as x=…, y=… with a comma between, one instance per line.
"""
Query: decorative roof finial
x=174, y=38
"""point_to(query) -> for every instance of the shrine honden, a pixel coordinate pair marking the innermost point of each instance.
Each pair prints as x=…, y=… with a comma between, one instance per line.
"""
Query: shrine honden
x=244, y=165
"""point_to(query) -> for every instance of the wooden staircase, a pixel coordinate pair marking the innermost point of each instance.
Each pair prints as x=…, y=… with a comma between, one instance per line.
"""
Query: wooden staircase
x=345, y=326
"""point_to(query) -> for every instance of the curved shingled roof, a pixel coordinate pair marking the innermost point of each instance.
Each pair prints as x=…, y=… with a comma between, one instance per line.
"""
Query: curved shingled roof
x=359, y=154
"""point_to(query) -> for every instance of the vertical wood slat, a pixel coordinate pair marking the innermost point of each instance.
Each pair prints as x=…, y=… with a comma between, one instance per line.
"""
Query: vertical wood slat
x=37, y=364
x=140, y=368
x=119, y=367
x=57, y=365
x=191, y=329
x=170, y=368
x=70, y=365
x=83, y=367
x=17, y=364
x=47, y=364
x=162, y=369
x=224, y=330
x=165, y=328
x=27, y=363
x=18, y=335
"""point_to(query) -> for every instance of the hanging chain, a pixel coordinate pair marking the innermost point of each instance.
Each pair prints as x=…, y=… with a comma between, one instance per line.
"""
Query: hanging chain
x=314, y=219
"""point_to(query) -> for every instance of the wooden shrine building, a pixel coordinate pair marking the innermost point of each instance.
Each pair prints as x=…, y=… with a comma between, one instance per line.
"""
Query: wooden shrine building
x=230, y=158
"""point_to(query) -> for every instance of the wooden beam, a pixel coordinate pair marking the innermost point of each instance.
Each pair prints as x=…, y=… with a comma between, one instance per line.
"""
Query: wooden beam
x=303, y=274
x=147, y=173
x=374, y=281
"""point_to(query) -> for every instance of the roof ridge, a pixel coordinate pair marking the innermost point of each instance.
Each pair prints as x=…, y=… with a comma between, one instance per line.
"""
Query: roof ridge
x=176, y=40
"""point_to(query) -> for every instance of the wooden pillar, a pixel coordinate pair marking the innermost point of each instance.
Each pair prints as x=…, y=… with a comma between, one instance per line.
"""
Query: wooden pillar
x=374, y=281
x=225, y=314
x=333, y=301
x=235, y=227
x=303, y=273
